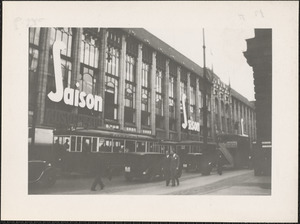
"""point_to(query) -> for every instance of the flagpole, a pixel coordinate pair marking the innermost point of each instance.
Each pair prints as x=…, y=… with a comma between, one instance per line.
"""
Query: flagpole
x=204, y=95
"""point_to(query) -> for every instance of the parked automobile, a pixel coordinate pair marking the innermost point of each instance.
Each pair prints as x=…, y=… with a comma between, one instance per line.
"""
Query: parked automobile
x=145, y=166
x=42, y=173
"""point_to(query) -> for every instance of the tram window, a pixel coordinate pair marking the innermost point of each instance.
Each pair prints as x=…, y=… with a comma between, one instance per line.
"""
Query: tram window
x=156, y=148
x=130, y=146
x=78, y=148
x=118, y=146
x=86, y=145
x=94, y=146
x=66, y=143
x=141, y=147
x=56, y=138
x=150, y=146
x=105, y=145
x=172, y=147
x=73, y=143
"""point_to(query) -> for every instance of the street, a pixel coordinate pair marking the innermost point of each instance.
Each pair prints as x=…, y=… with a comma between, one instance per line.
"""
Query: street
x=232, y=182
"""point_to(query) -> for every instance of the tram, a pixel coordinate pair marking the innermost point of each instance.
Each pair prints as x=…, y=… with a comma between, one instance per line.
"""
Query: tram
x=135, y=155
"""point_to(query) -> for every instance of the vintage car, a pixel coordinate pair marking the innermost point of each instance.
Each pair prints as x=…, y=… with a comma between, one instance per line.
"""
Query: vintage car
x=42, y=173
x=143, y=165
x=198, y=162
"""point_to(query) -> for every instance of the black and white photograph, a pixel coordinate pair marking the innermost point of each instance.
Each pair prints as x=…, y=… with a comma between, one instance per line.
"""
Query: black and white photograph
x=121, y=104
x=151, y=114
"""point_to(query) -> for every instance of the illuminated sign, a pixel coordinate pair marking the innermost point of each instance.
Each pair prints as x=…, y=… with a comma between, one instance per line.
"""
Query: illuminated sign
x=188, y=124
x=132, y=129
x=112, y=126
x=144, y=131
x=70, y=96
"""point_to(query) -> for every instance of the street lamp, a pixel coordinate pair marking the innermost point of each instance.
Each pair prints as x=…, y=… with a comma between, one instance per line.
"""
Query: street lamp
x=204, y=96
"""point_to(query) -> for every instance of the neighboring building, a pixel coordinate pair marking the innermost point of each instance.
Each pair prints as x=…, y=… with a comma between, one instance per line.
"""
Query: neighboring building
x=133, y=83
x=259, y=57
x=233, y=113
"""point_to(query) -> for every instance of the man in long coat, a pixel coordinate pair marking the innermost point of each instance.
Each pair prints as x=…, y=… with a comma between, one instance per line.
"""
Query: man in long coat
x=174, y=165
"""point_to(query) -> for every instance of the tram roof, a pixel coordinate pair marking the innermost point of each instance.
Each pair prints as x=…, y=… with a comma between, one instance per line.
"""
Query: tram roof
x=103, y=133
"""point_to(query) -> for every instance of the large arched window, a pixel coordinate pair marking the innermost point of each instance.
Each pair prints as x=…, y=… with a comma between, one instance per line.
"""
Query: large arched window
x=112, y=61
x=34, y=36
x=111, y=98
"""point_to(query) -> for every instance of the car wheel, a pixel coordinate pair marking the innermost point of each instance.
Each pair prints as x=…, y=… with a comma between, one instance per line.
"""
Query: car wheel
x=48, y=179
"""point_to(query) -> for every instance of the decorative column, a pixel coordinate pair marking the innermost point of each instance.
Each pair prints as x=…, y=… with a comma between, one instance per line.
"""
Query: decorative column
x=220, y=114
x=242, y=116
x=121, y=88
x=238, y=116
x=153, y=75
x=197, y=104
x=43, y=64
x=212, y=114
x=177, y=105
x=166, y=100
x=138, y=97
x=76, y=54
x=101, y=75
x=188, y=97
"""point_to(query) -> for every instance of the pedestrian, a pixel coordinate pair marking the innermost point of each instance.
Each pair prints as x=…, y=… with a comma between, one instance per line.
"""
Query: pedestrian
x=174, y=166
x=100, y=169
x=57, y=152
x=220, y=164
x=65, y=149
x=167, y=167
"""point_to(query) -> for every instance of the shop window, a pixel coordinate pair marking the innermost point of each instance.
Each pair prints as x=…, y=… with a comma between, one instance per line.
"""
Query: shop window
x=130, y=146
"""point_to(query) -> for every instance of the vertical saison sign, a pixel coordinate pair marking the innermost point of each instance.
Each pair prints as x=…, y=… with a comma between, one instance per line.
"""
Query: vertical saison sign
x=70, y=96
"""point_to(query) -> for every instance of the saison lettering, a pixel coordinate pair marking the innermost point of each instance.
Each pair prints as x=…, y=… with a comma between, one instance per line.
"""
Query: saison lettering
x=70, y=96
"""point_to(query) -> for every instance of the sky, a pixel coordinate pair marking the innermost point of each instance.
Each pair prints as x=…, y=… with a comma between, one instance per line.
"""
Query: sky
x=224, y=52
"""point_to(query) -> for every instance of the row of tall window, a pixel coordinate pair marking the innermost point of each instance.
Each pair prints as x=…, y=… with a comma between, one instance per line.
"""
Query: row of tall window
x=34, y=36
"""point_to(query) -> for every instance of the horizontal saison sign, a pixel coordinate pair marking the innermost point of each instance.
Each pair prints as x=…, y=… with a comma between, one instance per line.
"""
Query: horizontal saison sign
x=59, y=118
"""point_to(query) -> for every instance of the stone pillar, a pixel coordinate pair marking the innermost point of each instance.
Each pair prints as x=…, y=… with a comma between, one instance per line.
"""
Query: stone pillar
x=121, y=88
x=43, y=65
x=166, y=100
x=188, y=95
x=238, y=117
x=242, y=116
x=212, y=115
x=76, y=54
x=177, y=105
x=220, y=114
x=197, y=104
x=138, y=97
x=153, y=75
x=233, y=115
x=101, y=76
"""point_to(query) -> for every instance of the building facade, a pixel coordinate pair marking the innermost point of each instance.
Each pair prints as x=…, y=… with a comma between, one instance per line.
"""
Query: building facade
x=232, y=112
x=259, y=57
x=127, y=80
